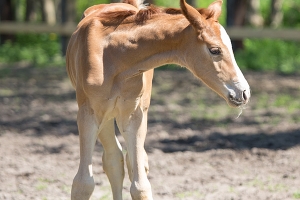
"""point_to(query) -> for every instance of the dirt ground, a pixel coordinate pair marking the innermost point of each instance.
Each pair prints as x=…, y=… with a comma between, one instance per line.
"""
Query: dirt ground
x=197, y=147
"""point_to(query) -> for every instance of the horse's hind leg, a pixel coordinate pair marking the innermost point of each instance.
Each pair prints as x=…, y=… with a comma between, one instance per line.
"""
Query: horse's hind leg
x=113, y=160
x=83, y=183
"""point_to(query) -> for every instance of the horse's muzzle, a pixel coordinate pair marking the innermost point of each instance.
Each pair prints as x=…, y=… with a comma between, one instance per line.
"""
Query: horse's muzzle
x=238, y=96
x=240, y=99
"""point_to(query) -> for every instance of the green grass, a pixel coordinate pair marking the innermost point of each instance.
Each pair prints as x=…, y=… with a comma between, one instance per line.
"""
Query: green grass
x=106, y=197
x=296, y=195
x=189, y=194
x=43, y=184
x=287, y=101
x=267, y=185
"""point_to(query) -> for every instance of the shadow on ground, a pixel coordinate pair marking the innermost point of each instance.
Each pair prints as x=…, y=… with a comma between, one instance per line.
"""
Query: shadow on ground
x=243, y=141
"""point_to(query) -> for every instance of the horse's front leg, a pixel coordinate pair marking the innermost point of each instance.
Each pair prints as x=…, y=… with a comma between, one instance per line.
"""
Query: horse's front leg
x=134, y=129
x=130, y=168
x=83, y=183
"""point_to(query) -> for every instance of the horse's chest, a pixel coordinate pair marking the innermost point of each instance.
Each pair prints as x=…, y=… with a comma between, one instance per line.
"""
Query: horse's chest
x=128, y=89
x=124, y=96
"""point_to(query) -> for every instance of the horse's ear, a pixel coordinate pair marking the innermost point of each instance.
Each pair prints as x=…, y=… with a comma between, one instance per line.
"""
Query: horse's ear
x=215, y=9
x=194, y=17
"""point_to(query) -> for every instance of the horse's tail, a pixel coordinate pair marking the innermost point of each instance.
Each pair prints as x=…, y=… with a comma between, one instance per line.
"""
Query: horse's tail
x=136, y=3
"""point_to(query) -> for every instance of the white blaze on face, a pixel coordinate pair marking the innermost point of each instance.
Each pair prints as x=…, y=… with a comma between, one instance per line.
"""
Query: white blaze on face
x=241, y=83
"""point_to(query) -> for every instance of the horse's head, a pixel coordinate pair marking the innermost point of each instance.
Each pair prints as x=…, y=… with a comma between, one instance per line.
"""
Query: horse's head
x=210, y=56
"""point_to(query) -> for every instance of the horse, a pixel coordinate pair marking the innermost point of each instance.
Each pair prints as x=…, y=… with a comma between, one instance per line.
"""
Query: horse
x=110, y=61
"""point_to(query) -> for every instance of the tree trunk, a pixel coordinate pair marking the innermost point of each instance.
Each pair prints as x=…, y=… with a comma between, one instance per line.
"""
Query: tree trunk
x=68, y=16
x=7, y=13
x=236, y=15
x=30, y=13
x=191, y=2
x=254, y=17
x=150, y=1
x=276, y=13
x=48, y=11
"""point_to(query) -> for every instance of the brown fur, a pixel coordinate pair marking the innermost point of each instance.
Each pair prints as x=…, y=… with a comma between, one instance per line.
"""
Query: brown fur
x=117, y=17
x=145, y=14
x=176, y=11
x=140, y=17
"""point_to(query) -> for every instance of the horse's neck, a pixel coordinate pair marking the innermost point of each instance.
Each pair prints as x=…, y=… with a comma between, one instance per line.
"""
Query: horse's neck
x=158, y=42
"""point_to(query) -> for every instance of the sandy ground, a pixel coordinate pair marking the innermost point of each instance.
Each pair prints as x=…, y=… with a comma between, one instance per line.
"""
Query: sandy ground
x=197, y=148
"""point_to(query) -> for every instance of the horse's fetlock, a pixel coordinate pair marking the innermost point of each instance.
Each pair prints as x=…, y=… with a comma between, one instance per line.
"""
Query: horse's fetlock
x=141, y=191
x=82, y=187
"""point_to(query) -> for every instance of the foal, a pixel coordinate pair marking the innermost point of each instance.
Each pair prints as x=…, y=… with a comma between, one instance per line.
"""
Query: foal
x=110, y=61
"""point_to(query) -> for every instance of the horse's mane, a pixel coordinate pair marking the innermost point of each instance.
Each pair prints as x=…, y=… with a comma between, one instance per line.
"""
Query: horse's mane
x=203, y=11
x=140, y=17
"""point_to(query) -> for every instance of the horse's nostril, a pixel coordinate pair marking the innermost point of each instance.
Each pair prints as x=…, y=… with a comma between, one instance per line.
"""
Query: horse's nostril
x=245, y=95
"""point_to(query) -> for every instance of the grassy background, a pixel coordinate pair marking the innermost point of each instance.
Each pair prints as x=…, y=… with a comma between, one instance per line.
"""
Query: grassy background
x=263, y=55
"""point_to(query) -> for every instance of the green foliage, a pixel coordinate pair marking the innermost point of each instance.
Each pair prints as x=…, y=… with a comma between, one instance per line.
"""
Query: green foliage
x=270, y=55
x=167, y=3
x=291, y=10
x=265, y=9
x=199, y=4
x=41, y=49
x=82, y=5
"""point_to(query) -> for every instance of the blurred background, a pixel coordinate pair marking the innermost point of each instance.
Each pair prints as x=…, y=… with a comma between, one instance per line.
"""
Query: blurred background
x=198, y=147
x=37, y=30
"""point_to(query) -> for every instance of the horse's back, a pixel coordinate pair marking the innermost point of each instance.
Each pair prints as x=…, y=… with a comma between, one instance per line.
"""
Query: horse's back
x=99, y=9
x=86, y=43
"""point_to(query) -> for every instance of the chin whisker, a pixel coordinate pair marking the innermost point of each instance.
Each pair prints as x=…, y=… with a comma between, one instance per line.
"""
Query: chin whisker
x=241, y=108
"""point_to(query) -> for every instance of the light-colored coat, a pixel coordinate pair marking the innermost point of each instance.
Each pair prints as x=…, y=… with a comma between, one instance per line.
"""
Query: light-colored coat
x=110, y=61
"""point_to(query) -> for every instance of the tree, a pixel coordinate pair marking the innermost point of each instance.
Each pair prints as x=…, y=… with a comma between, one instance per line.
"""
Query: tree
x=68, y=16
x=191, y=2
x=48, y=11
x=30, y=14
x=7, y=13
x=254, y=17
x=43, y=8
x=236, y=16
x=276, y=16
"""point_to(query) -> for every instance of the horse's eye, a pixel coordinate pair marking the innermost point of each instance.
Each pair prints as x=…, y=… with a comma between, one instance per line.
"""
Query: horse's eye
x=215, y=51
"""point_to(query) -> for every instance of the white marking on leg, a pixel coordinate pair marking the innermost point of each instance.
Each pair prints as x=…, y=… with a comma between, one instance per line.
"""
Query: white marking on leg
x=91, y=170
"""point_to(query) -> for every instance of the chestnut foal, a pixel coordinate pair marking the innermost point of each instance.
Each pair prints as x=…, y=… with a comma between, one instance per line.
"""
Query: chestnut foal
x=110, y=61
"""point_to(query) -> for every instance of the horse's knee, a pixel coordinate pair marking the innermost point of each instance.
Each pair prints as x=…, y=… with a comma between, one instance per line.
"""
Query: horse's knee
x=141, y=190
x=82, y=187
